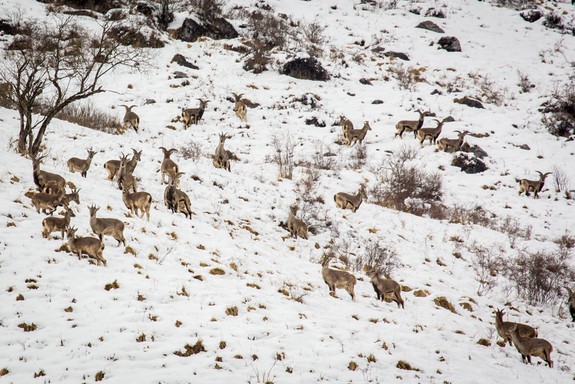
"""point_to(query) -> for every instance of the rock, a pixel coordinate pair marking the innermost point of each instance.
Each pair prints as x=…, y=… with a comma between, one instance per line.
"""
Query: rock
x=468, y=163
x=223, y=29
x=315, y=121
x=377, y=101
x=432, y=12
x=219, y=28
x=476, y=150
x=531, y=15
x=450, y=44
x=365, y=81
x=399, y=55
x=181, y=60
x=474, y=103
x=430, y=26
x=306, y=69
x=180, y=75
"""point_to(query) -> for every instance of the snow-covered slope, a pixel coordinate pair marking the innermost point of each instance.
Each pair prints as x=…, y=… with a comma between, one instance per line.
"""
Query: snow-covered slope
x=230, y=279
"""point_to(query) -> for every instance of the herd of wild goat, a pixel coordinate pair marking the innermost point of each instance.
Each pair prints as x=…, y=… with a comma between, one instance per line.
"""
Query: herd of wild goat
x=52, y=194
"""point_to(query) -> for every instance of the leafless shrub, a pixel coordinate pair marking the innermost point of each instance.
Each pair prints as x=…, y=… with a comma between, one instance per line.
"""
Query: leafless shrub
x=269, y=30
x=474, y=214
x=86, y=115
x=560, y=179
x=359, y=156
x=559, y=111
x=524, y=83
x=486, y=263
x=380, y=257
x=512, y=227
x=192, y=150
x=313, y=38
x=407, y=78
x=538, y=276
x=516, y=4
x=208, y=9
x=323, y=158
x=490, y=93
x=283, y=155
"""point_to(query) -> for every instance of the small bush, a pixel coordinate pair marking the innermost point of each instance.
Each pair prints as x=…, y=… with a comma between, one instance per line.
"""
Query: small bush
x=441, y=301
x=559, y=111
x=191, y=349
x=407, y=78
x=402, y=364
x=486, y=263
x=385, y=260
x=560, y=179
x=313, y=38
x=208, y=9
x=516, y=4
x=86, y=115
x=283, y=155
x=191, y=151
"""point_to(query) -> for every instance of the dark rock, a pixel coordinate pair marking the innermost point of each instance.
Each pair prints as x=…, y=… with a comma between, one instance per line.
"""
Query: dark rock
x=436, y=92
x=523, y=146
x=223, y=29
x=469, y=102
x=181, y=60
x=415, y=11
x=432, y=12
x=8, y=29
x=531, y=15
x=149, y=101
x=476, y=150
x=399, y=55
x=218, y=28
x=180, y=75
x=378, y=49
x=468, y=163
x=146, y=9
x=306, y=69
x=430, y=26
x=450, y=44
x=314, y=121
x=132, y=36
x=376, y=102
x=365, y=81
x=449, y=119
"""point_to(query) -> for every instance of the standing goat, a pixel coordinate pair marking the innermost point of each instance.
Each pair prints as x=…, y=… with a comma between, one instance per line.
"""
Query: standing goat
x=240, y=107
x=534, y=186
x=335, y=278
x=353, y=135
x=106, y=226
x=347, y=201
x=430, y=133
x=53, y=224
x=169, y=168
x=571, y=302
x=125, y=178
x=409, y=125
x=46, y=181
x=46, y=202
x=452, y=145
x=131, y=119
x=531, y=347
x=137, y=201
x=81, y=165
x=113, y=166
x=88, y=245
x=385, y=288
x=222, y=157
x=175, y=199
x=345, y=124
x=194, y=115
x=504, y=328
x=295, y=226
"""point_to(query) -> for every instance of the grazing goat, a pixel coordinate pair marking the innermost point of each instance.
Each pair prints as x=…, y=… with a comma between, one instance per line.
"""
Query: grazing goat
x=46, y=202
x=53, y=224
x=347, y=201
x=240, y=107
x=137, y=201
x=295, y=226
x=430, y=133
x=113, y=166
x=531, y=347
x=106, y=226
x=81, y=165
x=125, y=179
x=88, y=245
x=169, y=168
x=194, y=115
x=534, y=186
x=131, y=119
x=335, y=278
x=46, y=181
x=175, y=199
x=571, y=302
x=222, y=157
x=385, y=288
x=504, y=328
x=409, y=125
x=354, y=135
x=452, y=145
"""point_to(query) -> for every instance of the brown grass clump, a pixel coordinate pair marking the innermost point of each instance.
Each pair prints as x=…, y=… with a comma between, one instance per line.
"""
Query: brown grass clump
x=99, y=376
x=402, y=364
x=130, y=250
x=112, y=285
x=352, y=366
x=4, y=372
x=253, y=285
x=465, y=305
x=191, y=349
x=232, y=311
x=217, y=271
x=421, y=293
x=484, y=342
x=441, y=301
x=28, y=327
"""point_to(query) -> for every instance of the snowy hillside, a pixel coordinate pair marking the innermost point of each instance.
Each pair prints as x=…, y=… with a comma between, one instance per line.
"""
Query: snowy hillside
x=231, y=279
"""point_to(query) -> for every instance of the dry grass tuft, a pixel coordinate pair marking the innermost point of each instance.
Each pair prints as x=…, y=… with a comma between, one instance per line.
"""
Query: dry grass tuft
x=465, y=305
x=484, y=342
x=223, y=344
x=421, y=293
x=232, y=311
x=402, y=364
x=352, y=366
x=217, y=271
x=28, y=327
x=4, y=372
x=112, y=285
x=191, y=349
x=253, y=285
x=99, y=376
x=130, y=250
x=441, y=301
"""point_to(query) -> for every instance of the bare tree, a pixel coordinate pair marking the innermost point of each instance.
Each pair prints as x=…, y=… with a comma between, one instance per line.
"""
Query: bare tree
x=55, y=64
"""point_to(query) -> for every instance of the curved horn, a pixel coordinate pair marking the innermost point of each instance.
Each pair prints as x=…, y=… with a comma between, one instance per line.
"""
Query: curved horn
x=569, y=291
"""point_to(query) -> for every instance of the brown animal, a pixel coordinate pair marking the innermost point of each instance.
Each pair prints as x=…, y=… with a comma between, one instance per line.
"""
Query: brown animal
x=53, y=224
x=240, y=107
x=125, y=179
x=194, y=115
x=106, y=226
x=88, y=245
x=175, y=199
x=138, y=201
x=46, y=181
x=430, y=134
x=534, y=186
x=385, y=288
x=452, y=145
x=409, y=125
x=81, y=165
x=295, y=226
x=571, y=302
x=222, y=157
x=169, y=168
x=504, y=328
x=335, y=278
x=113, y=166
x=531, y=347
x=347, y=201
x=131, y=119
x=354, y=135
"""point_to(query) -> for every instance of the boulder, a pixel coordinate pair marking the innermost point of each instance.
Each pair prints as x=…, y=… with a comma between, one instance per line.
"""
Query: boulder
x=468, y=163
x=398, y=55
x=181, y=60
x=465, y=100
x=217, y=29
x=531, y=15
x=430, y=26
x=306, y=69
x=450, y=44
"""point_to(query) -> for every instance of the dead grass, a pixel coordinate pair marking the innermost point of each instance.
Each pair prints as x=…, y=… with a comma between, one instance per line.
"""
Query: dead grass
x=441, y=301
x=190, y=350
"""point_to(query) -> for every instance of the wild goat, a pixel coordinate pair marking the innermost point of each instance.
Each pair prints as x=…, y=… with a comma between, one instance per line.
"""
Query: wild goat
x=169, y=168
x=353, y=135
x=335, y=278
x=53, y=224
x=531, y=347
x=113, y=166
x=347, y=201
x=571, y=302
x=48, y=202
x=409, y=125
x=504, y=328
x=125, y=179
x=194, y=115
x=6, y=90
x=534, y=186
x=106, y=226
x=240, y=107
x=430, y=133
x=46, y=181
x=175, y=199
x=345, y=124
x=452, y=145
x=385, y=288
x=88, y=245
x=81, y=165
x=222, y=157
x=131, y=119
x=295, y=226
x=137, y=201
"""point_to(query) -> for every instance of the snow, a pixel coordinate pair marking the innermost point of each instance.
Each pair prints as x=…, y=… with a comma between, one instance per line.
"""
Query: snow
x=166, y=291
